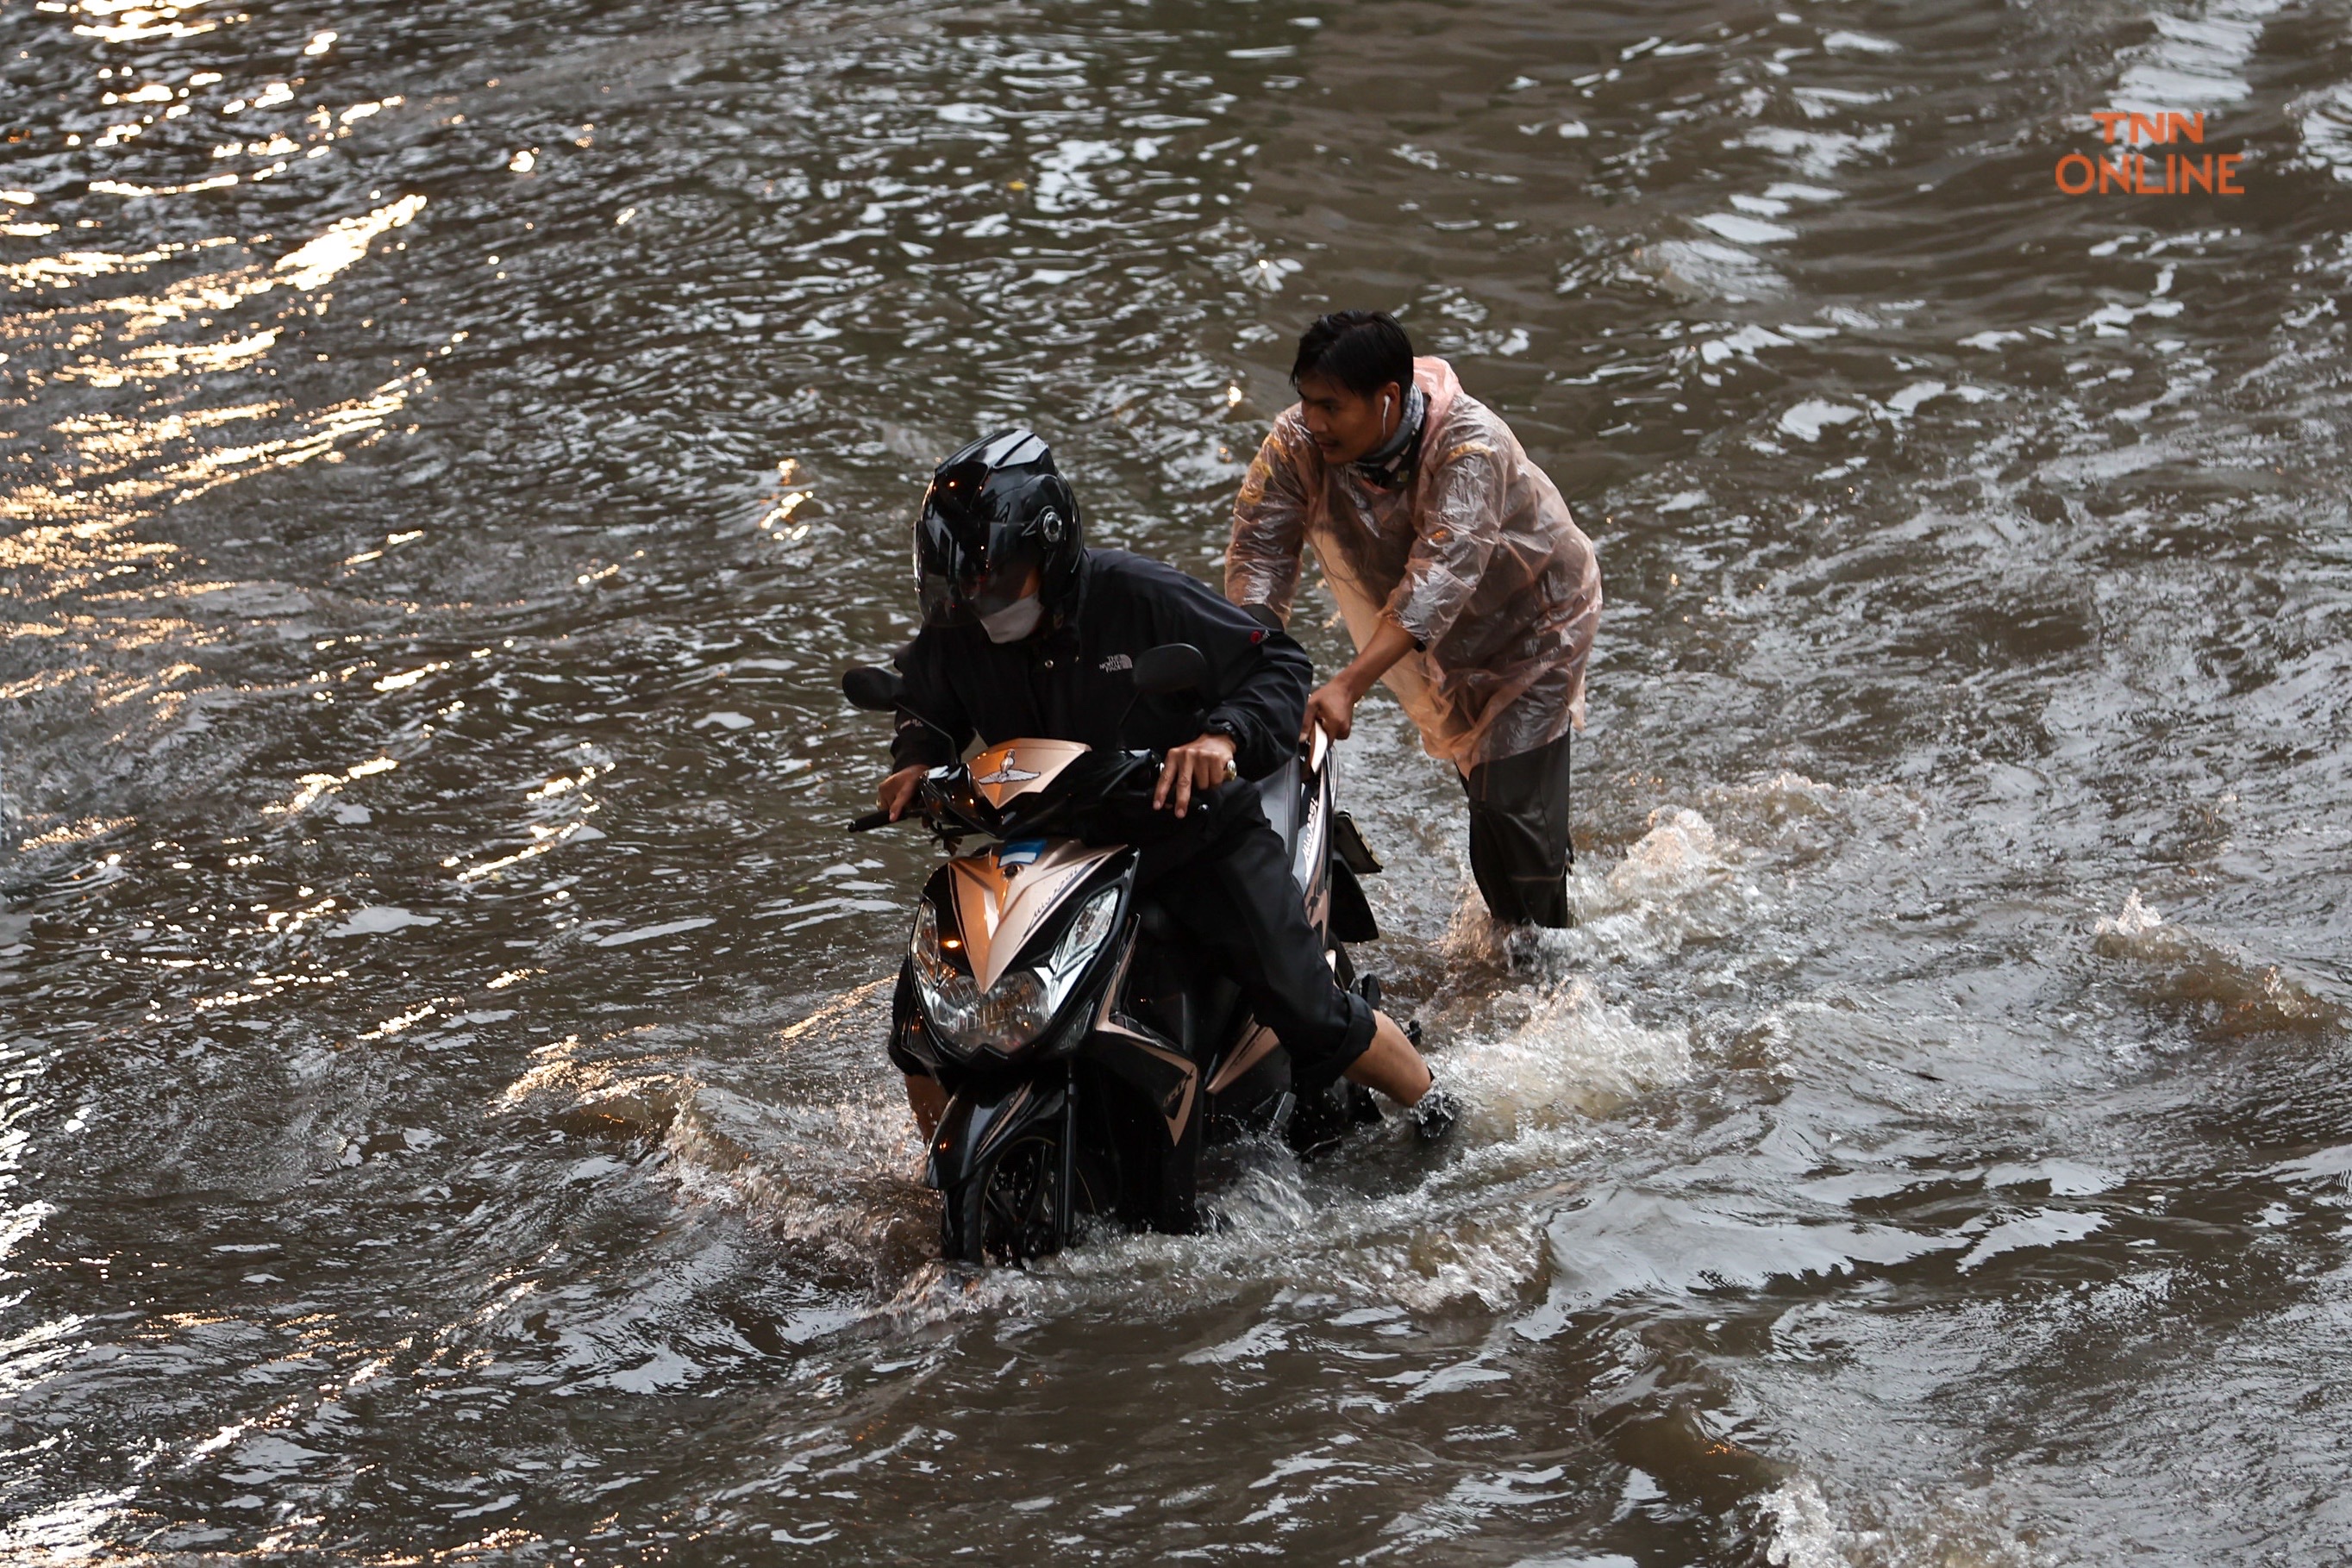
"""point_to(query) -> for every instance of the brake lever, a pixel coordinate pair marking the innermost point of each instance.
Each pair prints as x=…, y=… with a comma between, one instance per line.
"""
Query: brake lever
x=923, y=808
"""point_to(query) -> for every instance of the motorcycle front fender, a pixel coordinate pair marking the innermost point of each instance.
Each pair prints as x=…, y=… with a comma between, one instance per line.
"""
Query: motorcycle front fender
x=981, y=1119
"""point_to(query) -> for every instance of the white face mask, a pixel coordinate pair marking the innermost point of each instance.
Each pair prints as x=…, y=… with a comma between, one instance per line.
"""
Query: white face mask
x=1015, y=621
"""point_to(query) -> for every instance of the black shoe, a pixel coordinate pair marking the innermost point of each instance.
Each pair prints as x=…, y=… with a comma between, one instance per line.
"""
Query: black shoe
x=1435, y=1113
x=1316, y=1123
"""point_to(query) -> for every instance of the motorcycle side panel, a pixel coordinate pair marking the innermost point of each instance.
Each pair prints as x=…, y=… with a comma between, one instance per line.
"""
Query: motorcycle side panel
x=1167, y=1082
x=1280, y=798
x=1251, y=1087
x=1251, y=1044
x=1142, y=1055
x=1148, y=1100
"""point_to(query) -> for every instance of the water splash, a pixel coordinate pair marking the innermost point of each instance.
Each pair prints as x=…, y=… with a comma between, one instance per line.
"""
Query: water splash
x=2230, y=992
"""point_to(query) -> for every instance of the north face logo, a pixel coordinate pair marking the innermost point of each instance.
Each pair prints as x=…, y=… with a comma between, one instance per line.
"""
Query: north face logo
x=1116, y=663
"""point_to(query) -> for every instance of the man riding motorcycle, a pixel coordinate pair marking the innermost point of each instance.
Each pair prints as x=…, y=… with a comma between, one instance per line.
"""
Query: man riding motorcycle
x=1027, y=632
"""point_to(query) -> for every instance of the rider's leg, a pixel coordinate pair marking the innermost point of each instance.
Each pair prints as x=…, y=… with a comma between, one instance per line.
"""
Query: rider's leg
x=1239, y=902
x=1391, y=1064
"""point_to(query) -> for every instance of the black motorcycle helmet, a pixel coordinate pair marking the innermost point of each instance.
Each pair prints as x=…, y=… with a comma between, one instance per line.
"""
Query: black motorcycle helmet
x=993, y=510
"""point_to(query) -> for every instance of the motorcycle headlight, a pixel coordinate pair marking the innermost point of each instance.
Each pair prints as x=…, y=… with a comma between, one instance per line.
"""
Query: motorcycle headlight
x=1014, y=1011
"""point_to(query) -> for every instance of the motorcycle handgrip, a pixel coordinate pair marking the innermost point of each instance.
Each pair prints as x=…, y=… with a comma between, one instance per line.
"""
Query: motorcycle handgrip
x=869, y=821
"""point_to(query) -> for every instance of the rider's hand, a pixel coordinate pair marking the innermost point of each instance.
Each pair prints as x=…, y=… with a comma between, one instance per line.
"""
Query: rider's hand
x=898, y=791
x=1331, y=705
x=1199, y=764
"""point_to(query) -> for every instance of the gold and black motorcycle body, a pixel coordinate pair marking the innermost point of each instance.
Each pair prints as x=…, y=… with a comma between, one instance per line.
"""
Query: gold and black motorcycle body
x=1089, y=1048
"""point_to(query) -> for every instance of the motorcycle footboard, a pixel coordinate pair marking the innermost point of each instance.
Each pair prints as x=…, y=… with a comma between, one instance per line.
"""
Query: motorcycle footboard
x=981, y=1121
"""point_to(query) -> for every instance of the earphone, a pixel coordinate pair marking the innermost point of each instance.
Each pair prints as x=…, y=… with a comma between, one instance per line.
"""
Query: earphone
x=1386, y=402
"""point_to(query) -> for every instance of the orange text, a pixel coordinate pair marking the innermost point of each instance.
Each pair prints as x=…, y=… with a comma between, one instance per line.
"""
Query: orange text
x=2130, y=171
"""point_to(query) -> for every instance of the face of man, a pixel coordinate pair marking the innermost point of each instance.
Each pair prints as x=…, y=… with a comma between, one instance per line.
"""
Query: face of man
x=1018, y=618
x=1344, y=427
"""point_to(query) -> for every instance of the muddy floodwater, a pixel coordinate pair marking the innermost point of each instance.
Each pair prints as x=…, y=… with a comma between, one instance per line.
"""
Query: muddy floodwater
x=448, y=452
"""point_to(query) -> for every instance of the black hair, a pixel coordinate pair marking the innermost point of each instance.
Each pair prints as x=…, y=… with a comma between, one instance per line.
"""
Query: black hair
x=1363, y=351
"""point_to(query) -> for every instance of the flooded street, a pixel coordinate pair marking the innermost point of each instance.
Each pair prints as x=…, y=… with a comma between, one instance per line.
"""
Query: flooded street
x=451, y=451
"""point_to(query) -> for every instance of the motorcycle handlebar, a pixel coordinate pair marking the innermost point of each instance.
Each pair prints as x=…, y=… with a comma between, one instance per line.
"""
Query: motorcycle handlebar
x=919, y=810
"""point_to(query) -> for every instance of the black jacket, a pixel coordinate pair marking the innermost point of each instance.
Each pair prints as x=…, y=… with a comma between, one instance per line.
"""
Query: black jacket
x=1075, y=683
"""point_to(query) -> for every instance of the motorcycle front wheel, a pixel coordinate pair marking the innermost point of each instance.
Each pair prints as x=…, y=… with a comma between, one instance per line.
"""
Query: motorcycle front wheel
x=1009, y=1213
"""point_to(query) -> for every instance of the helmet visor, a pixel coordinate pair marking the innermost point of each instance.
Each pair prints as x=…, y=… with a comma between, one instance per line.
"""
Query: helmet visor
x=955, y=585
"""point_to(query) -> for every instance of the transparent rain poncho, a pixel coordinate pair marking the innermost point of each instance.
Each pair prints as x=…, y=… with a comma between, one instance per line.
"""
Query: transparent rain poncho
x=1475, y=556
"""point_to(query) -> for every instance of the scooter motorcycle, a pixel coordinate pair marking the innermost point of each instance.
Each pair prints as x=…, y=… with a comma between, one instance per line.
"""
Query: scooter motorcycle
x=1089, y=1050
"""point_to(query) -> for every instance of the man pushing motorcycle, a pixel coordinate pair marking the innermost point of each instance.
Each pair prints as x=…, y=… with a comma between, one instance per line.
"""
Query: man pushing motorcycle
x=1469, y=590
x=1027, y=632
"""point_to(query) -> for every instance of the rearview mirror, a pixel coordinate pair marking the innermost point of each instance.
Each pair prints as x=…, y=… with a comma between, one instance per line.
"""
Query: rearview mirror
x=872, y=688
x=1170, y=668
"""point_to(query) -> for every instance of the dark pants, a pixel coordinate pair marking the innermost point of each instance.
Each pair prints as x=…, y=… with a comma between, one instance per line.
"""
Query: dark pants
x=1519, y=848
x=1236, y=899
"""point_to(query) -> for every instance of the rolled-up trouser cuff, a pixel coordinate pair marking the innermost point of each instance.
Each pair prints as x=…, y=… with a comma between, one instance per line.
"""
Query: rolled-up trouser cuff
x=1358, y=1040
x=1324, y=1038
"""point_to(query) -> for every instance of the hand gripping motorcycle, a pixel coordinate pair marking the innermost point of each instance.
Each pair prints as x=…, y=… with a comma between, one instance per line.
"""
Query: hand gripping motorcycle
x=1090, y=1051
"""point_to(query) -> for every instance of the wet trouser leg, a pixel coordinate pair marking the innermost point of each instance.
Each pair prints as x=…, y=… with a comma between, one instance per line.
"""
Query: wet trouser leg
x=1237, y=900
x=1519, y=846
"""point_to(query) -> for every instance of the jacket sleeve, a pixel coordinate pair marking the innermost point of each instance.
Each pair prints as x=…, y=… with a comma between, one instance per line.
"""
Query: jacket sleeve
x=1259, y=677
x=1269, y=524
x=1264, y=707
x=1453, y=537
x=916, y=744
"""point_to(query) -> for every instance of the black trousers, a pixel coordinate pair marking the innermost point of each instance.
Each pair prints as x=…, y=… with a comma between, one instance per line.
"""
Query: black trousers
x=1235, y=898
x=1520, y=846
